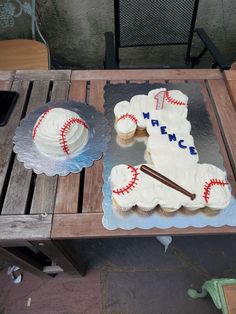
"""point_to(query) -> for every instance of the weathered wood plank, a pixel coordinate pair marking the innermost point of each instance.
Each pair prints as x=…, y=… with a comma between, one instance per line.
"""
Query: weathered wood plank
x=7, y=75
x=230, y=297
x=5, y=85
x=43, y=75
x=230, y=75
x=93, y=182
x=45, y=187
x=67, y=198
x=232, y=91
x=17, y=191
x=7, y=132
x=60, y=90
x=20, y=180
x=152, y=74
x=25, y=227
x=226, y=115
x=89, y=225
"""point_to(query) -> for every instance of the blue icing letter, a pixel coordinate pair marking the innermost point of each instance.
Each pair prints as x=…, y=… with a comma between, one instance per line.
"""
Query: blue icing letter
x=146, y=115
x=155, y=122
x=192, y=150
x=172, y=137
x=181, y=145
x=163, y=130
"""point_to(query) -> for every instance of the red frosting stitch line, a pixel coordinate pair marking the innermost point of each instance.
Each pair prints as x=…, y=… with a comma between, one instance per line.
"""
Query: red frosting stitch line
x=131, y=184
x=64, y=130
x=129, y=116
x=208, y=186
x=173, y=101
x=40, y=121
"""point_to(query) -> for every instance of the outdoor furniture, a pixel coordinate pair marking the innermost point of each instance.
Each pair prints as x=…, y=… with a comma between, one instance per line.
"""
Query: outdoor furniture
x=38, y=212
x=27, y=200
x=158, y=23
x=22, y=53
x=222, y=292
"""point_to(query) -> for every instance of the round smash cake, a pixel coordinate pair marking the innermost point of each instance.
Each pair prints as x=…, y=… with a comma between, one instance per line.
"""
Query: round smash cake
x=173, y=179
x=60, y=132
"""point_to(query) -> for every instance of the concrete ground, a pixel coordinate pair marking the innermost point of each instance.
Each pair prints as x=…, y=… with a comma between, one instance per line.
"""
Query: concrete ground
x=127, y=275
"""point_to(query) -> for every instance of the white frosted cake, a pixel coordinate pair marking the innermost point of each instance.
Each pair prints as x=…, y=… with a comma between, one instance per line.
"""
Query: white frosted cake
x=171, y=153
x=60, y=132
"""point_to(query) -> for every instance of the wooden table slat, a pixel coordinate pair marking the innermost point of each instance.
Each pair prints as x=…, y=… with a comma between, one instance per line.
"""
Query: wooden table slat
x=15, y=203
x=7, y=132
x=226, y=117
x=230, y=75
x=89, y=225
x=67, y=198
x=152, y=74
x=43, y=75
x=45, y=187
x=20, y=180
x=25, y=227
x=93, y=183
x=5, y=85
x=7, y=75
x=230, y=297
x=231, y=84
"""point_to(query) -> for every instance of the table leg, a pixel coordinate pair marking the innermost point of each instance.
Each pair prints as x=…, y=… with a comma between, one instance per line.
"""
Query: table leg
x=17, y=256
x=58, y=253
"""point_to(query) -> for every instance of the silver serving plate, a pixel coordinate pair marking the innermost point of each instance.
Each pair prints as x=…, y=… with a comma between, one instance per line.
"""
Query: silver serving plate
x=134, y=154
x=27, y=152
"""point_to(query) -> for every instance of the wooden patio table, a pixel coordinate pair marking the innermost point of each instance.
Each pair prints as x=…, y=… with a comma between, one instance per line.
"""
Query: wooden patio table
x=27, y=200
x=42, y=211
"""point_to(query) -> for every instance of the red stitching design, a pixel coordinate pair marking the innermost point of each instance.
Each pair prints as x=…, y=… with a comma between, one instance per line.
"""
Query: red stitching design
x=40, y=121
x=129, y=116
x=173, y=101
x=64, y=130
x=132, y=183
x=208, y=186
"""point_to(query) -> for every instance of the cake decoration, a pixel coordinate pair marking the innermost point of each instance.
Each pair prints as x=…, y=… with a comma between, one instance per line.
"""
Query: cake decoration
x=59, y=132
x=158, y=176
x=61, y=137
x=172, y=159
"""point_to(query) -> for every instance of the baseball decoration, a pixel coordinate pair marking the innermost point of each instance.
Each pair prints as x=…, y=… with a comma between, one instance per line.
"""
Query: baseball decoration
x=132, y=175
x=59, y=132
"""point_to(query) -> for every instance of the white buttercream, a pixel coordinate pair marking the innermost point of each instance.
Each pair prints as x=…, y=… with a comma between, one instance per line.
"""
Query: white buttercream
x=171, y=150
x=147, y=192
x=51, y=137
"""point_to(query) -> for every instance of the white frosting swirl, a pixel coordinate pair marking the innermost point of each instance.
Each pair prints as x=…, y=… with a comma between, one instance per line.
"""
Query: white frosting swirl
x=60, y=132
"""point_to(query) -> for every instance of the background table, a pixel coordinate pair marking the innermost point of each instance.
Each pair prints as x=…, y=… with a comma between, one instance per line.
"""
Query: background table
x=27, y=200
x=38, y=212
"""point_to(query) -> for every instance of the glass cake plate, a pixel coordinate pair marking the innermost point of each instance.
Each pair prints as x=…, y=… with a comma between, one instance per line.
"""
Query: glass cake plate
x=98, y=138
x=134, y=154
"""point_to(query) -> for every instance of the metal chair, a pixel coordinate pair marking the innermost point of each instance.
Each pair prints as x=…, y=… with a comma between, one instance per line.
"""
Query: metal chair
x=22, y=54
x=156, y=23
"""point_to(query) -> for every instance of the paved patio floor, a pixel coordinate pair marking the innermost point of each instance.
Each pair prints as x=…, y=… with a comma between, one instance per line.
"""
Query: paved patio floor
x=128, y=275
